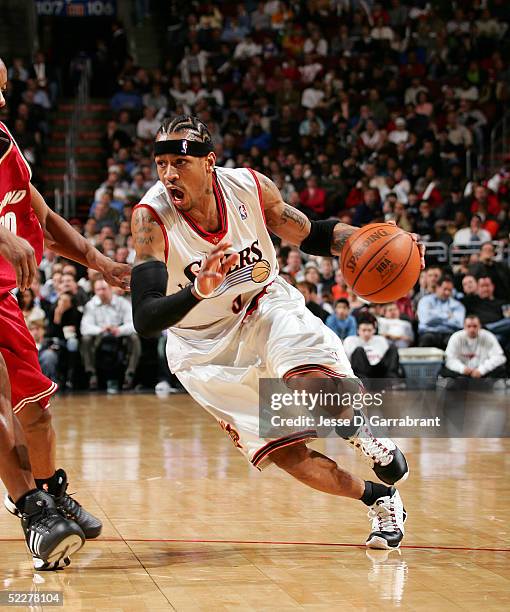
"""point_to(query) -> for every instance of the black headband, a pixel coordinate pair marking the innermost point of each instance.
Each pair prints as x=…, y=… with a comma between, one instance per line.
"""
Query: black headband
x=183, y=147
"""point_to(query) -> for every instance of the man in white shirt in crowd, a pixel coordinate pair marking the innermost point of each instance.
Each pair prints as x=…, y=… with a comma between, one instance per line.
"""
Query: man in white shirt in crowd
x=399, y=134
x=473, y=353
x=371, y=355
x=474, y=235
x=148, y=125
x=393, y=328
x=106, y=317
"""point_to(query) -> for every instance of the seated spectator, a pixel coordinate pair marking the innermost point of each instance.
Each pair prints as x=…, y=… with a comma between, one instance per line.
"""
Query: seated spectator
x=137, y=188
x=498, y=271
x=50, y=289
x=69, y=285
x=342, y=322
x=36, y=287
x=371, y=355
x=309, y=292
x=406, y=308
x=490, y=310
x=327, y=271
x=90, y=230
x=472, y=235
x=371, y=136
x=425, y=220
x=312, y=274
x=31, y=311
x=246, y=48
x=114, y=185
x=47, y=350
x=148, y=125
x=469, y=288
x=104, y=214
x=107, y=317
x=399, y=134
x=124, y=232
x=439, y=315
x=294, y=265
x=398, y=331
x=483, y=304
x=127, y=98
x=428, y=282
x=369, y=210
x=64, y=330
x=313, y=199
x=473, y=353
x=484, y=202
x=339, y=289
x=155, y=98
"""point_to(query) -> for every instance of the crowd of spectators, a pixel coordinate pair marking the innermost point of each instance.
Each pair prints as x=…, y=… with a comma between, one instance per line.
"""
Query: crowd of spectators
x=31, y=94
x=363, y=111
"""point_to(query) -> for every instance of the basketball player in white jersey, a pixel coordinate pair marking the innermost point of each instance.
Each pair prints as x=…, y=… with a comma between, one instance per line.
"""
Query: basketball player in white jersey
x=206, y=270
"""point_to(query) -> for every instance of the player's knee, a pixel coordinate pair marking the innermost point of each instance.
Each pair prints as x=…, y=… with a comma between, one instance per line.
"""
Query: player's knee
x=35, y=420
x=290, y=458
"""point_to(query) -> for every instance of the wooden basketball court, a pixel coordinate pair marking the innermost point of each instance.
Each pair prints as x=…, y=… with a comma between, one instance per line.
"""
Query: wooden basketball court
x=189, y=525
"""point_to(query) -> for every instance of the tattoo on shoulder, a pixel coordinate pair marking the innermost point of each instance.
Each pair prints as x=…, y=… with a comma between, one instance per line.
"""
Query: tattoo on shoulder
x=266, y=181
x=144, y=218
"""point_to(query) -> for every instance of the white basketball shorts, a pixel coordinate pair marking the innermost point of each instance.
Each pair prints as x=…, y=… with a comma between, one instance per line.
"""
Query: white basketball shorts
x=280, y=339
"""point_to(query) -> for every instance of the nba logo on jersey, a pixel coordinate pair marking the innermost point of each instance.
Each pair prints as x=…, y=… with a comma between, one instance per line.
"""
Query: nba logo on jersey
x=243, y=212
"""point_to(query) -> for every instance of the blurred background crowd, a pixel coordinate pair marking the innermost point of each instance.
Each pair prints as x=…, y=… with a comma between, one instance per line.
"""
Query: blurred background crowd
x=359, y=110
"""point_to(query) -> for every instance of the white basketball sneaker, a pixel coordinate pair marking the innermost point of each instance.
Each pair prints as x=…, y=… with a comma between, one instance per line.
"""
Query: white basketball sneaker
x=387, y=515
x=381, y=454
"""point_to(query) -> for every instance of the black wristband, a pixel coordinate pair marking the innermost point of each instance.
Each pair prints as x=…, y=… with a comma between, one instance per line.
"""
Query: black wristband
x=153, y=310
x=318, y=241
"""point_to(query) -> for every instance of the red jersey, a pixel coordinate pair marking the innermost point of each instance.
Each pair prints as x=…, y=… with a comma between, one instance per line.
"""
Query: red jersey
x=16, y=212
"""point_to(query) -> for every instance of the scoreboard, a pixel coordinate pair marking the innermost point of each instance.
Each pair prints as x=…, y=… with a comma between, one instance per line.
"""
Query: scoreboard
x=76, y=8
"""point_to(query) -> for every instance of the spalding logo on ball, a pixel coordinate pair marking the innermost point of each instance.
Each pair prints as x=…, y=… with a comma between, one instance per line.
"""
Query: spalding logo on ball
x=380, y=262
x=260, y=271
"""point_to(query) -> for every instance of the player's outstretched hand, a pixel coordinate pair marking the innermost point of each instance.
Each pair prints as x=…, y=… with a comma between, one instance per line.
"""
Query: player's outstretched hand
x=117, y=274
x=20, y=254
x=421, y=246
x=215, y=268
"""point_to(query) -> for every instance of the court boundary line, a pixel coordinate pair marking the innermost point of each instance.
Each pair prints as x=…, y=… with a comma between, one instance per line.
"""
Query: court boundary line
x=280, y=543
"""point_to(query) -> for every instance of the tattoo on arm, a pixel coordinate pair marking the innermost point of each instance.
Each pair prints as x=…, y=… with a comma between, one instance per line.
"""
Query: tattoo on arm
x=341, y=234
x=147, y=236
x=291, y=215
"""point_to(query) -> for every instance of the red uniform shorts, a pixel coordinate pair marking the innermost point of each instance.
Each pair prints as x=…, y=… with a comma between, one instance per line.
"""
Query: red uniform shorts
x=28, y=383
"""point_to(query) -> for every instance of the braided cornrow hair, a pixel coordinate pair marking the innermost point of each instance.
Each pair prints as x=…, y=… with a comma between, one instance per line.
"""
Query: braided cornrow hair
x=196, y=130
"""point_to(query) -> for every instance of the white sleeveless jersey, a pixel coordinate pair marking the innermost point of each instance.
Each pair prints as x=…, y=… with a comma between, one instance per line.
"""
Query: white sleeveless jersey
x=211, y=325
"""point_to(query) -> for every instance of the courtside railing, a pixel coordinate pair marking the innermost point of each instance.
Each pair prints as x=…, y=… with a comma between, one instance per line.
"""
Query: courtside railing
x=68, y=201
x=455, y=254
x=499, y=142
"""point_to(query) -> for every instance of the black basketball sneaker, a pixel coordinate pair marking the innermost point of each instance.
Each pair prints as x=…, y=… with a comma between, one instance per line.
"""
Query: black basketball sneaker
x=50, y=537
x=69, y=507
x=381, y=454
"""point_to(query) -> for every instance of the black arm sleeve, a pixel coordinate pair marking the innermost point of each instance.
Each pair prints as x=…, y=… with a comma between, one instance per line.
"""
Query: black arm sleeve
x=318, y=241
x=153, y=311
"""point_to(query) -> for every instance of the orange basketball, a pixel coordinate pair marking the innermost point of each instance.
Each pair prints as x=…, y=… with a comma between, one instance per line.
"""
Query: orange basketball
x=380, y=262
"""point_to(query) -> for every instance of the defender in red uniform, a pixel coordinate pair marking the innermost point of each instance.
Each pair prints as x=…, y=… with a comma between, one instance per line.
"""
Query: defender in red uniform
x=26, y=223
